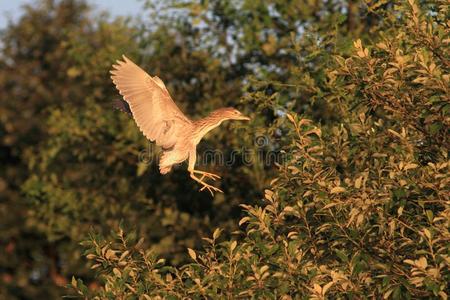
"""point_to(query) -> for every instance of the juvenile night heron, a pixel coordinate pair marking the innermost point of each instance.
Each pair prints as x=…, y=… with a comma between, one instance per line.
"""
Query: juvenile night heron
x=148, y=101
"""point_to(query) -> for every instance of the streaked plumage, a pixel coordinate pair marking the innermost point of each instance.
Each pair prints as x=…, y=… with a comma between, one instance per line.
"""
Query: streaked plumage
x=160, y=120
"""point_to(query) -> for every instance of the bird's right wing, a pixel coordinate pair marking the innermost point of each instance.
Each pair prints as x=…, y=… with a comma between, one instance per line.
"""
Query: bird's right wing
x=154, y=111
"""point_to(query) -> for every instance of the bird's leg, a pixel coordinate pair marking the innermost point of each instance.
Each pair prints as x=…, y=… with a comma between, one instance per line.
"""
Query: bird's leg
x=192, y=171
x=206, y=174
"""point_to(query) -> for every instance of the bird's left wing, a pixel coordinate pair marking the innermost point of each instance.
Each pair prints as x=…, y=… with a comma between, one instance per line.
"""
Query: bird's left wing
x=122, y=105
x=154, y=111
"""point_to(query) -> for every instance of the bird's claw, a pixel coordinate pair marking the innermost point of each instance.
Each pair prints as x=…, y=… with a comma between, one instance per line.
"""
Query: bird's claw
x=213, y=178
x=211, y=175
x=210, y=188
x=205, y=186
x=208, y=175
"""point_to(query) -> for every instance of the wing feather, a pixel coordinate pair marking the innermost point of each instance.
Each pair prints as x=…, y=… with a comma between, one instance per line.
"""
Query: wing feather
x=154, y=111
x=122, y=106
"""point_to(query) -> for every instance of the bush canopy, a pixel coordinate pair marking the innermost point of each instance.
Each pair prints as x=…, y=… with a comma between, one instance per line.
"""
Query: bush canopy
x=346, y=192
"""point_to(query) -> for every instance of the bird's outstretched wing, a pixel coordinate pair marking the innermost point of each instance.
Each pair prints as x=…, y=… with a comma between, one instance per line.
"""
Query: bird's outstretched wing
x=154, y=111
x=122, y=105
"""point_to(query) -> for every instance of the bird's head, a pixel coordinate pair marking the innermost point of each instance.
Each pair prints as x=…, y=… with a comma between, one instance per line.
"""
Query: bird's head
x=230, y=113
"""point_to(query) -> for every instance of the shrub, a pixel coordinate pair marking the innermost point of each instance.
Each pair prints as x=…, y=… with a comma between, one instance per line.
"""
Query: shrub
x=360, y=206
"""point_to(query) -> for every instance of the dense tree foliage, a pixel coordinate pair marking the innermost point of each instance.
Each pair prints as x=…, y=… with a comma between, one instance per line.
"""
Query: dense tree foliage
x=360, y=206
x=347, y=192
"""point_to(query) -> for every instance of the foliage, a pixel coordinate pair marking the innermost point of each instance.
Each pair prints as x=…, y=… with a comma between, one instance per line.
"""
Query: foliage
x=351, y=97
x=360, y=206
x=54, y=55
x=70, y=163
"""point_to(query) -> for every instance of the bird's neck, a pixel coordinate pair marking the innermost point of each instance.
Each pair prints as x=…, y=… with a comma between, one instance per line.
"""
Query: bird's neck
x=204, y=125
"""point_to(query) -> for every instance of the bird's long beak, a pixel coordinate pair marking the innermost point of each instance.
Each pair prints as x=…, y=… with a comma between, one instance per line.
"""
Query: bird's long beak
x=244, y=118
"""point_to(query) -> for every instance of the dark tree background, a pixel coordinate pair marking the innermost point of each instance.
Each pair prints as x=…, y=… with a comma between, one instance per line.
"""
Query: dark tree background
x=371, y=77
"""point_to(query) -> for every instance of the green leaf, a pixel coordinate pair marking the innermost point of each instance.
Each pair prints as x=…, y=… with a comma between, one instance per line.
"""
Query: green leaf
x=74, y=282
x=192, y=254
x=341, y=255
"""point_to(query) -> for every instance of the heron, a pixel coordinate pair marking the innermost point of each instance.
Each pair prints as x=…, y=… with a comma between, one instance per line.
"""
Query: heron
x=148, y=101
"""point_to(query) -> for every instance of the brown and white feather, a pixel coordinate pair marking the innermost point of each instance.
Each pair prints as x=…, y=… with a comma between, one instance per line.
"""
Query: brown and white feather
x=153, y=110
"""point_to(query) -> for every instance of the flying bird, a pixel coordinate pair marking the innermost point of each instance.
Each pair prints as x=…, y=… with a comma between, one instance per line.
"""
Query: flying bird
x=148, y=101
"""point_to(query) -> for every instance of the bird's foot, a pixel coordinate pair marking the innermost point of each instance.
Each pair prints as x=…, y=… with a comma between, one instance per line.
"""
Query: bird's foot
x=210, y=188
x=207, y=175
